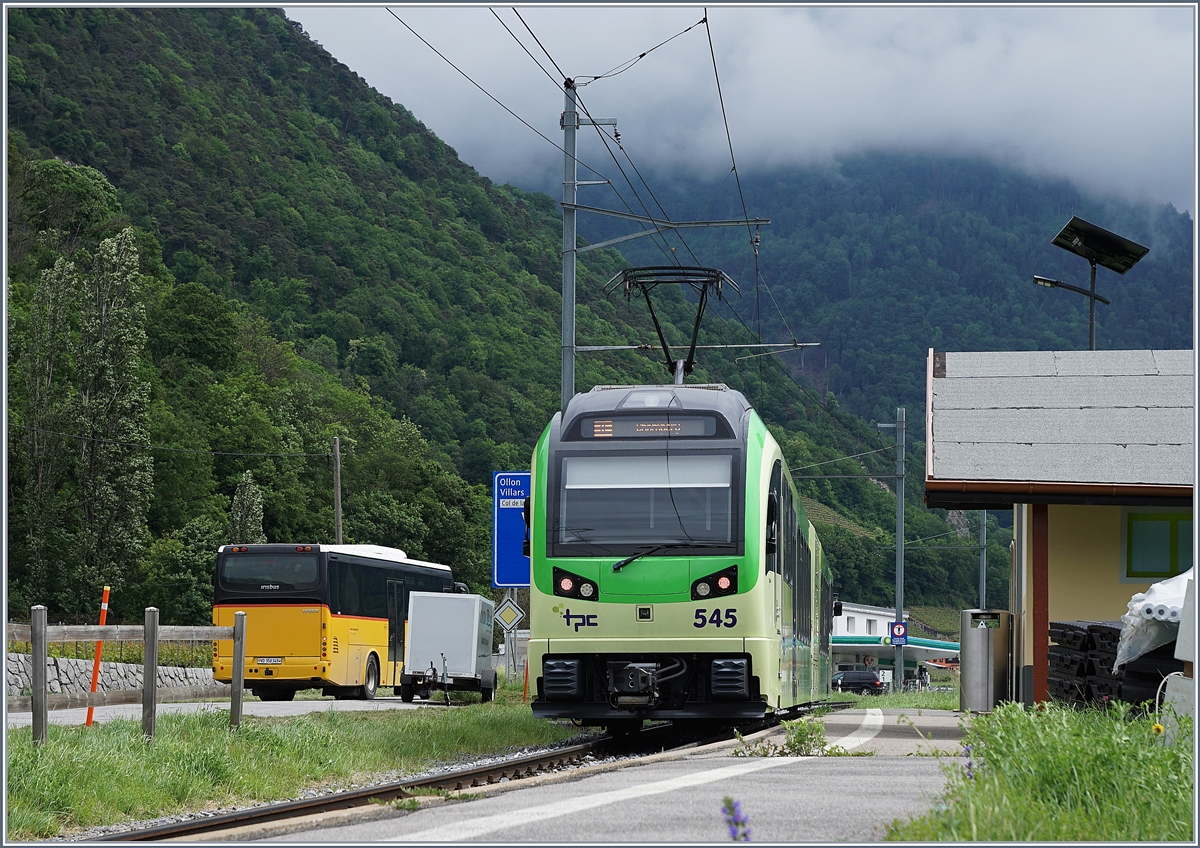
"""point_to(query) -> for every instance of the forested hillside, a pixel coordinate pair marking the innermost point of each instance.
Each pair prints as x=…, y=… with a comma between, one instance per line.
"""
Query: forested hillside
x=226, y=248
x=882, y=256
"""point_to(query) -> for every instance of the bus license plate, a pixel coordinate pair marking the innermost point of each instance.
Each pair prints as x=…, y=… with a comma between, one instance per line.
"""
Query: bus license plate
x=269, y=660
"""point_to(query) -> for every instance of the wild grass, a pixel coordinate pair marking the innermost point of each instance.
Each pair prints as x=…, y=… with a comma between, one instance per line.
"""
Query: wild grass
x=107, y=774
x=803, y=737
x=924, y=700
x=1058, y=774
x=945, y=620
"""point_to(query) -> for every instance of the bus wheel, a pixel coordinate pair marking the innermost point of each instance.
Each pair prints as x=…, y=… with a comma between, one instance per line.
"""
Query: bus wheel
x=371, y=683
x=275, y=694
x=406, y=692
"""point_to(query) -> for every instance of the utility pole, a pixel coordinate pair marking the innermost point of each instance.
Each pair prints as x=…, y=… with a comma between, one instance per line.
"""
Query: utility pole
x=898, y=673
x=570, y=123
x=983, y=556
x=1091, y=324
x=337, y=492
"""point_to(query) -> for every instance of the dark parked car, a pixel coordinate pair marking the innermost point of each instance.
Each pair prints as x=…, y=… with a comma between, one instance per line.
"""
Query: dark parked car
x=862, y=682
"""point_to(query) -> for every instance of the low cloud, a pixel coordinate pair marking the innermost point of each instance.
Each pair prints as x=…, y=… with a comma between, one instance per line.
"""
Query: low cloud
x=1104, y=97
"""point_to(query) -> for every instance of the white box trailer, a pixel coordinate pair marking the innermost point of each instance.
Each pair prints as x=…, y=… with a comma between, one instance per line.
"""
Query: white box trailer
x=448, y=645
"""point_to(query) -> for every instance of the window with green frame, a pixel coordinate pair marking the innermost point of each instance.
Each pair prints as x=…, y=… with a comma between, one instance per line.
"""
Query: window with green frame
x=1157, y=544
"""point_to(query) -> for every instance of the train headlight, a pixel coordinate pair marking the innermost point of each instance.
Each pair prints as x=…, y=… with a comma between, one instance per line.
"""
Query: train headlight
x=568, y=585
x=723, y=582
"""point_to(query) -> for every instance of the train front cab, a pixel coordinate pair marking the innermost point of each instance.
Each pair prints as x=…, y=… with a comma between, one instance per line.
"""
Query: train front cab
x=693, y=631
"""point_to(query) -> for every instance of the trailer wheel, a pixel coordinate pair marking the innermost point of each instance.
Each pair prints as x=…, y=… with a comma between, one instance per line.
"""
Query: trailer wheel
x=487, y=684
x=406, y=692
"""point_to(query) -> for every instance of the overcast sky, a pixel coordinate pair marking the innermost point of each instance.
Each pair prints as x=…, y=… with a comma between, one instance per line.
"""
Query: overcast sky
x=1105, y=97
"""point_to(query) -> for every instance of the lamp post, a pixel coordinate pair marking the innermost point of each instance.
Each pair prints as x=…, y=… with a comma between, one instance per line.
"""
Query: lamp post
x=1059, y=284
x=1099, y=247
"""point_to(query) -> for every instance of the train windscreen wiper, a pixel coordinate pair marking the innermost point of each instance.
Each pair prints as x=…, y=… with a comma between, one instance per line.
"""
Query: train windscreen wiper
x=617, y=566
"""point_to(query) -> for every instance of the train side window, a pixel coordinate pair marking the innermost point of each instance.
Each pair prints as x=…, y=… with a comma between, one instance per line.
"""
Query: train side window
x=773, y=516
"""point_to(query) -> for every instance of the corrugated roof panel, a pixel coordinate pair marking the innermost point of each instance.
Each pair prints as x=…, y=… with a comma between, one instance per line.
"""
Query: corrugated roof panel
x=1004, y=364
x=1175, y=361
x=1090, y=417
x=1104, y=363
x=1069, y=426
x=1062, y=392
x=1169, y=465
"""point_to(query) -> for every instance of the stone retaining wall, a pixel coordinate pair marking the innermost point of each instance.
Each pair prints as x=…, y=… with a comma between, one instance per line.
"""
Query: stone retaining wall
x=75, y=676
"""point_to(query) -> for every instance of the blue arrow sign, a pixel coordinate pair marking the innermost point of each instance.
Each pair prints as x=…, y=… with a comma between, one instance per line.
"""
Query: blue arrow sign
x=510, y=568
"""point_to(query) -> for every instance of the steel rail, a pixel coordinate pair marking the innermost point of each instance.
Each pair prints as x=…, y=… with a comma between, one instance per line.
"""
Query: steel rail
x=469, y=777
x=453, y=780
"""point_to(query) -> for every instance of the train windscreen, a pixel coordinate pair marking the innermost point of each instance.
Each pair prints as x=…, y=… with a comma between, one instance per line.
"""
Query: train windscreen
x=646, y=498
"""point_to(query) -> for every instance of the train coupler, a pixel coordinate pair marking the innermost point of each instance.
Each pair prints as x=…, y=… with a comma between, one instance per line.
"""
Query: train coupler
x=633, y=685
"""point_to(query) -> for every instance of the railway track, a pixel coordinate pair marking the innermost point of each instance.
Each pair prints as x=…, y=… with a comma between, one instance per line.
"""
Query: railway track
x=649, y=740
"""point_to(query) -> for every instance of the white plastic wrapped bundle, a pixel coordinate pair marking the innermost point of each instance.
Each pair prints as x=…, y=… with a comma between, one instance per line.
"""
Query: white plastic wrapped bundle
x=1152, y=619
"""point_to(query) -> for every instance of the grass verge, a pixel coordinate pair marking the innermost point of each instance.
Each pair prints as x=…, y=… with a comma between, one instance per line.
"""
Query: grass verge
x=904, y=700
x=107, y=774
x=1056, y=774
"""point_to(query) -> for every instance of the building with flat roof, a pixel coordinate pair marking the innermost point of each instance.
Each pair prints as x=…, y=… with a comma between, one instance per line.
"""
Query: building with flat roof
x=861, y=641
x=1094, y=451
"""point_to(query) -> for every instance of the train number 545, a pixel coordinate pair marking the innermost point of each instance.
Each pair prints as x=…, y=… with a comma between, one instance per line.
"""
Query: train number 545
x=717, y=618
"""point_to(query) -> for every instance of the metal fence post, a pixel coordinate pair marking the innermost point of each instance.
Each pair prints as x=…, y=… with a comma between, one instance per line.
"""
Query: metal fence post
x=37, y=637
x=150, y=673
x=239, y=669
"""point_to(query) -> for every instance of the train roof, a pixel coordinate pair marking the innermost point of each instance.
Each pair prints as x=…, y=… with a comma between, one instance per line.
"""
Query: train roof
x=699, y=397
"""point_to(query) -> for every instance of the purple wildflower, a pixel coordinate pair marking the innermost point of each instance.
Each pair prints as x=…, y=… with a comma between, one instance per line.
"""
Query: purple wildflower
x=736, y=820
x=970, y=767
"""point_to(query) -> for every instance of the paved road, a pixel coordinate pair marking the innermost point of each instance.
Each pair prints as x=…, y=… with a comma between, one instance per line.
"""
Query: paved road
x=249, y=708
x=787, y=799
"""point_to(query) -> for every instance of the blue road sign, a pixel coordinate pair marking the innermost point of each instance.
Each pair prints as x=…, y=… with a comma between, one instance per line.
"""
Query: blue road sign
x=899, y=633
x=510, y=568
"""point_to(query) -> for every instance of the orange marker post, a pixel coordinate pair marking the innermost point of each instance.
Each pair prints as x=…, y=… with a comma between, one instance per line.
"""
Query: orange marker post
x=99, y=644
x=525, y=694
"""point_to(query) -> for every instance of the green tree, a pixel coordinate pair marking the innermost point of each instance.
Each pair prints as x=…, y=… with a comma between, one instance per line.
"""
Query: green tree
x=246, y=514
x=112, y=475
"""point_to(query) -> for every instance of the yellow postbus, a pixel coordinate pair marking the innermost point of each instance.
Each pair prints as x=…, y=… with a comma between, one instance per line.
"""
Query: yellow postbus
x=329, y=617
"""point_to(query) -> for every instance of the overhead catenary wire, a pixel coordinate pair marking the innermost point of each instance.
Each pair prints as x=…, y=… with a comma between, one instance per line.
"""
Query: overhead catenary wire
x=665, y=248
x=521, y=44
x=658, y=235
x=840, y=458
x=491, y=96
x=539, y=44
x=625, y=66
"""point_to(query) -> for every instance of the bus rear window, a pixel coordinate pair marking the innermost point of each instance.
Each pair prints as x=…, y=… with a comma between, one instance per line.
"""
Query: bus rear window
x=262, y=572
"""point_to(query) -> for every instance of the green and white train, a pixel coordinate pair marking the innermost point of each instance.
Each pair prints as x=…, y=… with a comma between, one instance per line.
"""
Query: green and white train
x=674, y=574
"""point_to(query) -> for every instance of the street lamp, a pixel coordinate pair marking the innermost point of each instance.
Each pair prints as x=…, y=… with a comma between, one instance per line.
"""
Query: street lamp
x=1099, y=247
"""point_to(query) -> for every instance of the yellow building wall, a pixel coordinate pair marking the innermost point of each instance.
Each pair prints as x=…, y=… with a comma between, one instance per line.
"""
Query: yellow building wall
x=1084, y=572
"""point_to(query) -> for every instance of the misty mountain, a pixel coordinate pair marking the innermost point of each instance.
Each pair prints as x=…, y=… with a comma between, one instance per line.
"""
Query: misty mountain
x=882, y=256
x=317, y=262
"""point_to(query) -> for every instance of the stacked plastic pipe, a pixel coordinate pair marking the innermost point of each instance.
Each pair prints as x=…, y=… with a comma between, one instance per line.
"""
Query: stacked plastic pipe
x=1152, y=619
